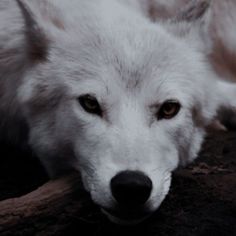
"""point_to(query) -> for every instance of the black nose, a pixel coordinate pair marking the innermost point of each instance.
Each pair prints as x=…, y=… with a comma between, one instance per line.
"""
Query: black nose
x=131, y=188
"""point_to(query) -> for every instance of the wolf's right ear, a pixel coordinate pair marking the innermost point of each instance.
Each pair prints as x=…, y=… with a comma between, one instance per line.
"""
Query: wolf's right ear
x=192, y=24
x=37, y=42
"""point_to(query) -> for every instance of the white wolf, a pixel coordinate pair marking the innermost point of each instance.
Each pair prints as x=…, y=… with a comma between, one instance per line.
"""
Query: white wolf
x=104, y=90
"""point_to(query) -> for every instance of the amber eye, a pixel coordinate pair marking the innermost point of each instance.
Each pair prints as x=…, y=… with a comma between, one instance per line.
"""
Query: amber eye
x=169, y=109
x=90, y=104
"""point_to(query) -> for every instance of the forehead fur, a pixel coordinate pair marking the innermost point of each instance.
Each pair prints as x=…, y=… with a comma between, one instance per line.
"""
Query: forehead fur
x=119, y=60
x=100, y=48
x=129, y=58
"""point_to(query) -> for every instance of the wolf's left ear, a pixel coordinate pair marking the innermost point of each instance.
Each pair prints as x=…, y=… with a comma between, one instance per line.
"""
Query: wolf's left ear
x=193, y=23
x=36, y=41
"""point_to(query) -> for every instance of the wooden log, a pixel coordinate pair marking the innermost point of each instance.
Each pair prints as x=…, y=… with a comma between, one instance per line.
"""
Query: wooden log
x=37, y=208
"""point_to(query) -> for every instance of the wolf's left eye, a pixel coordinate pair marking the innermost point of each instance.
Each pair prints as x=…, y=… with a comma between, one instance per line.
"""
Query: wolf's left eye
x=169, y=109
x=90, y=104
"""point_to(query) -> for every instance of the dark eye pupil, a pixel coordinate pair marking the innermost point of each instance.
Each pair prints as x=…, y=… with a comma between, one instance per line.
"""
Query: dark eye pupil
x=169, y=109
x=90, y=104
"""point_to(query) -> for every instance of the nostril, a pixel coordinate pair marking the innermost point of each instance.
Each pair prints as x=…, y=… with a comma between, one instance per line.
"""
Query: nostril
x=131, y=188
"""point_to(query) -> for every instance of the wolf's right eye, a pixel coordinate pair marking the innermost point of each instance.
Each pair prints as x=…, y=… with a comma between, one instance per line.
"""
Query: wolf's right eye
x=90, y=104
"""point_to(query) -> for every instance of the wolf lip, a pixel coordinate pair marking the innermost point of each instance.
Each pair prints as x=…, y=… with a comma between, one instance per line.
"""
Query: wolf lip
x=128, y=215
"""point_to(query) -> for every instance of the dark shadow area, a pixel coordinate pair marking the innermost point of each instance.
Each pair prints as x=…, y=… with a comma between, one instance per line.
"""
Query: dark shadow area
x=20, y=171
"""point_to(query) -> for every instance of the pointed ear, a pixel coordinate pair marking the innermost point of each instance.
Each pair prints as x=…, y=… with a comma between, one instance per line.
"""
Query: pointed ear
x=193, y=23
x=194, y=11
x=37, y=42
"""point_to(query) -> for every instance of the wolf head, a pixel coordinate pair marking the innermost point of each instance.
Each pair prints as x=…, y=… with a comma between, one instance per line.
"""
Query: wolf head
x=120, y=99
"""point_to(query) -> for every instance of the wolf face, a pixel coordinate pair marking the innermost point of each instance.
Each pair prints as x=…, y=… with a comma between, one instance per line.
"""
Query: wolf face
x=120, y=99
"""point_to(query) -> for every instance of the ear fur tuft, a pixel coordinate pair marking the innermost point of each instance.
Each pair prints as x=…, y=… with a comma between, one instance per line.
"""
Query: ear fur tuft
x=37, y=42
x=193, y=25
x=194, y=11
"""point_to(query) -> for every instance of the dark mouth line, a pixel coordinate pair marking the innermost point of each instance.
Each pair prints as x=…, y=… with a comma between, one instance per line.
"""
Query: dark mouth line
x=128, y=215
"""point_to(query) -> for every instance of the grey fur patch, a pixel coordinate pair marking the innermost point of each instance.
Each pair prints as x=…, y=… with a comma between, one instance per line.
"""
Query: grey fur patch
x=194, y=11
x=45, y=99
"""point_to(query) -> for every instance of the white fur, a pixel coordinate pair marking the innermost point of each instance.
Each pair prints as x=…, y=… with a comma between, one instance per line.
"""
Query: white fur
x=104, y=48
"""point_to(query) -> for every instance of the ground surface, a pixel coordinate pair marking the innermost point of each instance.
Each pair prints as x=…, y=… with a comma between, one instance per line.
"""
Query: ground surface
x=202, y=200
